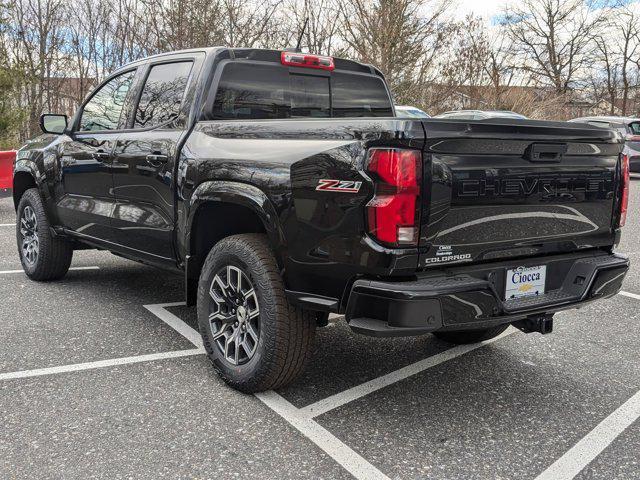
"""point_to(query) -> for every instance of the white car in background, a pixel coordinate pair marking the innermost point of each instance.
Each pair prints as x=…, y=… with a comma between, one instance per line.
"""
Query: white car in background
x=480, y=114
x=629, y=127
x=408, y=111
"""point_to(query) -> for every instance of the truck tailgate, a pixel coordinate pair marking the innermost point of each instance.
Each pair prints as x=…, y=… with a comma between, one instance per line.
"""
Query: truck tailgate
x=502, y=188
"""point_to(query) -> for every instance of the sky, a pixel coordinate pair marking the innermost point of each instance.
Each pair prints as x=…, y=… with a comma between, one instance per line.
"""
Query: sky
x=491, y=9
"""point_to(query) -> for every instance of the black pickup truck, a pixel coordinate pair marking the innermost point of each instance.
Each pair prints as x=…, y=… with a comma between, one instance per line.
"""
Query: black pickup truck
x=283, y=187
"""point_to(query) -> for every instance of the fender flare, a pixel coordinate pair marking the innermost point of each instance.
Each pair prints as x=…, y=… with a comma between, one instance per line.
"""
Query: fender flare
x=241, y=194
x=28, y=166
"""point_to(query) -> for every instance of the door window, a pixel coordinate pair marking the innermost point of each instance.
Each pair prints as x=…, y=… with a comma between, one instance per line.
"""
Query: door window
x=162, y=94
x=104, y=109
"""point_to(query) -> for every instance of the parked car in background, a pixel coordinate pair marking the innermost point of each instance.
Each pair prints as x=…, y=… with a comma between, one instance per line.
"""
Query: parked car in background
x=629, y=127
x=6, y=172
x=409, y=111
x=480, y=114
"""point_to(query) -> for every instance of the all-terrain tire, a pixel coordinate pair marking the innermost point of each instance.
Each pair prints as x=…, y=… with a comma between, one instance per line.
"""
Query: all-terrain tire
x=471, y=336
x=54, y=254
x=285, y=333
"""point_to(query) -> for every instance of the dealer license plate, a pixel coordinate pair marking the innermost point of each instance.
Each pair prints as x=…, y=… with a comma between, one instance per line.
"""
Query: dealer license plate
x=525, y=282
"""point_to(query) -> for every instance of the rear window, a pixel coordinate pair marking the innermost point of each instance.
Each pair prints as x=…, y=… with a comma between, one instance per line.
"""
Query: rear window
x=359, y=96
x=258, y=91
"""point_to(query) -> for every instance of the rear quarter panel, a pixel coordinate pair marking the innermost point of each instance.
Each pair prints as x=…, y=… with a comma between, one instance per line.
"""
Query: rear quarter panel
x=325, y=245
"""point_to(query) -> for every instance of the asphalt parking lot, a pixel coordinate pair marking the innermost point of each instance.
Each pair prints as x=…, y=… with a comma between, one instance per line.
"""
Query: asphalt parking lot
x=102, y=376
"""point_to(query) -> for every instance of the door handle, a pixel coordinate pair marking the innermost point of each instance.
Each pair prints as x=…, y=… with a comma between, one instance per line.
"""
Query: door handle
x=157, y=159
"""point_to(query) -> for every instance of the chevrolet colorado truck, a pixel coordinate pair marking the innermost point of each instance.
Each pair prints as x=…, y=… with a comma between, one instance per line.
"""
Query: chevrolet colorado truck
x=282, y=186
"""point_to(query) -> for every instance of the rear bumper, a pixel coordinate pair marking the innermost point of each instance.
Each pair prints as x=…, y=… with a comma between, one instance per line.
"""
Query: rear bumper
x=472, y=297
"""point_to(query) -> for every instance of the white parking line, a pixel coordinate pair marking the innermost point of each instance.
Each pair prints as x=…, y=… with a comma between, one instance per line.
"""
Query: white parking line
x=159, y=310
x=566, y=467
x=100, y=364
x=590, y=446
x=7, y=224
x=355, y=464
x=587, y=449
x=342, y=398
x=2, y=272
x=351, y=461
x=630, y=295
x=302, y=419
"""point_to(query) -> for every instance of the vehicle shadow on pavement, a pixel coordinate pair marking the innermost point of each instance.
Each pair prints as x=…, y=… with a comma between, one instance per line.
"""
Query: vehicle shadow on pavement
x=343, y=359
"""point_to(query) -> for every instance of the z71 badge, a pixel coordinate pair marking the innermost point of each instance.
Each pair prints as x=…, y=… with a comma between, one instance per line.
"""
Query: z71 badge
x=345, y=186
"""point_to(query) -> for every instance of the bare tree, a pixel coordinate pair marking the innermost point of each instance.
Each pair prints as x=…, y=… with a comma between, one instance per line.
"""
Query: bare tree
x=324, y=23
x=86, y=22
x=34, y=40
x=180, y=24
x=533, y=62
x=617, y=46
x=401, y=37
x=628, y=45
x=12, y=113
x=553, y=37
x=496, y=65
x=250, y=25
x=606, y=82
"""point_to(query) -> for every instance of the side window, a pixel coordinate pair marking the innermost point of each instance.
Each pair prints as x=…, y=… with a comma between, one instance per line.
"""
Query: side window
x=634, y=128
x=103, y=111
x=162, y=94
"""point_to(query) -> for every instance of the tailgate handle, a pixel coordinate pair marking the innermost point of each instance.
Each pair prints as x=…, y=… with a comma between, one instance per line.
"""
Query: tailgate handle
x=545, y=152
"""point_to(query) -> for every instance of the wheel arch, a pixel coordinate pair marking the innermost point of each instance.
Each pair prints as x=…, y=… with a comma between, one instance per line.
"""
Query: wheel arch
x=244, y=208
x=23, y=179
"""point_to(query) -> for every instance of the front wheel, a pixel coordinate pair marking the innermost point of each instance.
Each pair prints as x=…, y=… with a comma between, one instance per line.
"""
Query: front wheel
x=471, y=336
x=43, y=255
x=256, y=340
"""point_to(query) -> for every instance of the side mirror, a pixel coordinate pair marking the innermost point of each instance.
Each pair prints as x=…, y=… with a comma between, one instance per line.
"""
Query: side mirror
x=53, y=123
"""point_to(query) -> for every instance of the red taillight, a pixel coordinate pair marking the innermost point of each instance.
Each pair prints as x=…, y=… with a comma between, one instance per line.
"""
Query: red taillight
x=308, y=61
x=624, y=197
x=394, y=211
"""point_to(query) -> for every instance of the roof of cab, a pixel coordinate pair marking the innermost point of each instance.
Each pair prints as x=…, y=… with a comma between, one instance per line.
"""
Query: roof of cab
x=242, y=52
x=205, y=50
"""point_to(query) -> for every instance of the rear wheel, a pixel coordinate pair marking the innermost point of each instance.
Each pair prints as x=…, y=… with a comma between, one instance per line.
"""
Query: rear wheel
x=471, y=336
x=43, y=255
x=256, y=340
